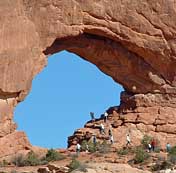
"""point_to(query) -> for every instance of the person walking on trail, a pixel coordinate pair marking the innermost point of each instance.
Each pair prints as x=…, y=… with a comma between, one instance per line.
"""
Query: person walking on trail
x=92, y=116
x=128, y=140
x=168, y=147
x=149, y=147
x=110, y=132
x=78, y=148
x=111, y=139
x=153, y=143
x=102, y=129
x=94, y=140
x=105, y=117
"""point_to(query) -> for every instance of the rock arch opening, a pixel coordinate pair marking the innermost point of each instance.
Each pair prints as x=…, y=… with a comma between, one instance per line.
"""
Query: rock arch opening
x=61, y=98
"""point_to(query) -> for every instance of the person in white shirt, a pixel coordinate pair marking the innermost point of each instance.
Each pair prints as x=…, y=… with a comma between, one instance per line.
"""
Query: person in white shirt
x=105, y=117
x=78, y=148
x=111, y=139
x=128, y=140
x=102, y=129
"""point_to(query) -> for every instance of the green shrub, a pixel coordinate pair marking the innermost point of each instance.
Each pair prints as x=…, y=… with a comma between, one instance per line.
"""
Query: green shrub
x=76, y=165
x=173, y=151
x=146, y=140
x=161, y=166
x=19, y=160
x=104, y=147
x=92, y=147
x=4, y=163
x=140, y=155
x=172, y=155
x=123, y=151
x=84, y=145
x=53, y=155
x=32, y=159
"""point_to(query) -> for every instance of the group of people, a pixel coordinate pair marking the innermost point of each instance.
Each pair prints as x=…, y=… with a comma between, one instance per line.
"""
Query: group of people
x=94, y=141
x=105, y=116
x=151, y=146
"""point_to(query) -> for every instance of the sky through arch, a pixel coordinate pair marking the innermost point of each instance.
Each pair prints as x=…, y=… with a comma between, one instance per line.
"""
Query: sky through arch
x=61, y=98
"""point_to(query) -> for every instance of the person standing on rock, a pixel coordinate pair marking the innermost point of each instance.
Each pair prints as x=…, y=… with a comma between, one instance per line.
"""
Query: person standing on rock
x=111, y=139
x=102, y=129
x=128, y=140
x=94, y=140
x=153, y=143
x=105, y=117
x=92, y=116
x=168, y=147
x=78, y=148
x=149, y=147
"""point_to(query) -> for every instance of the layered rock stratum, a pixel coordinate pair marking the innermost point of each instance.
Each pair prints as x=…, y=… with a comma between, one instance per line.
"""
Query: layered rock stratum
x=133, y=41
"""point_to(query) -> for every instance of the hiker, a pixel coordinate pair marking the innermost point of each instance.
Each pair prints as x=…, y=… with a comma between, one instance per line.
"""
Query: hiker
x=128, y=140
x=92, y=116
x=94, y=140
x=105, y=117
x=111, y=139
x=149, y=147
x=102, y=129
x=110, y=132
x=168, y=147
x=153, y=143
x=78, y=148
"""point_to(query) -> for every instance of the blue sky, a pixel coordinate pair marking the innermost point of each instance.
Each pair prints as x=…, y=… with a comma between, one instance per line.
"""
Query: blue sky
x=61, y=98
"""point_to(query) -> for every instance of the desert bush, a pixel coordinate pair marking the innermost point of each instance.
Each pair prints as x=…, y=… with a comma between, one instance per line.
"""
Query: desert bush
x=19, y=160
x=104, y=147
x=173, y=151
x=76, y=165
x=32, y=159
x=83, y=145
x=53, y=155
x=4, y=163
x=92, y=146
x=161, y=166
x=140, y=155
x=123, y=151
x=172, y=155
x=146, y=140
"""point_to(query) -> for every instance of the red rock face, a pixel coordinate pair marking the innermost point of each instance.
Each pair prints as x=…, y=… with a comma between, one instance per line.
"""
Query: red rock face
x=134, y=42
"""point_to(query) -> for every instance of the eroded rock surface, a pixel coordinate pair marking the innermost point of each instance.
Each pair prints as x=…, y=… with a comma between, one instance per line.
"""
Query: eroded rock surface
x=134, y=42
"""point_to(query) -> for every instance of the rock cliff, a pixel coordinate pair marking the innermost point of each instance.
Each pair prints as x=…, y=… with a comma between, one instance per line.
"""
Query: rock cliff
x=133, y=41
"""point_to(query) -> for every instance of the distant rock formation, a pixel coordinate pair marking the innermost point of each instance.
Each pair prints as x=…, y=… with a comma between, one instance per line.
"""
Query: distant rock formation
x=134, y=42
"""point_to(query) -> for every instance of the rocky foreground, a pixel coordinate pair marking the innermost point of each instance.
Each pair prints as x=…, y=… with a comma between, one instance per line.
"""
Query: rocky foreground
x=93, y=163
x=131, y=41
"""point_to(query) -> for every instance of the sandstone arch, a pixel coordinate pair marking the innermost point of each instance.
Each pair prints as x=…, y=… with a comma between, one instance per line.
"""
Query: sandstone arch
x=132, y=41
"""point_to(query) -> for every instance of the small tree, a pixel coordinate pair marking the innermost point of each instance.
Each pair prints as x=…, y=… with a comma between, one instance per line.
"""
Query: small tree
x=53, y=155
x=123, y=151
x=104, y=147
x=146, y=140
x=76, y=165
x=19, y=160
x=32, y=159
x=84, y=145
x=140, y=155
x=172, y=155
